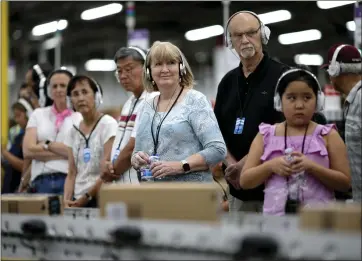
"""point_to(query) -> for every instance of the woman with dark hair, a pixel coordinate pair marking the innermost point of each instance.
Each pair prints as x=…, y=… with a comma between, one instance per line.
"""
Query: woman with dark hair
x=12, y=158
x=300, y=162
x=45, y=134
x=89, y=143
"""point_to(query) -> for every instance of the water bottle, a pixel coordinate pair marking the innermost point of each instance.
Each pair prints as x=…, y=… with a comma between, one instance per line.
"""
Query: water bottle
x=297, y=177
x=146, y=174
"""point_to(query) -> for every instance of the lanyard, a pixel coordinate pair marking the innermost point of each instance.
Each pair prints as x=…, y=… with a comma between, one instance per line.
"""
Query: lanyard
x=87, y=139
x=156, y=139
x=127, y=119
x=247, y=99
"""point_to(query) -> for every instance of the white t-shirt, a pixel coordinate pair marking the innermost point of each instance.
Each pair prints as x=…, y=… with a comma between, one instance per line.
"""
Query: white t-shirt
x=43, y=119
x=87, y=173
x=126, y=126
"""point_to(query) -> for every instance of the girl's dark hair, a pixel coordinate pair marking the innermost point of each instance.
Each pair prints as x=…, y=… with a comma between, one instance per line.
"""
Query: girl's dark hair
x=20, y=107
x=301, y=75
x=80, y=78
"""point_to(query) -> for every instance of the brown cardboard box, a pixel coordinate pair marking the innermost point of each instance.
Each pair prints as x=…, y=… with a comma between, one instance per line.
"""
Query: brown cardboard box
x=336, y=216
x=42, y=204
x=175, y=201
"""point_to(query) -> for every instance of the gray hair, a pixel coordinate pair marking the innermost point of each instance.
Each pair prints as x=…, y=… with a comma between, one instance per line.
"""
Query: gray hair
x=125, y=52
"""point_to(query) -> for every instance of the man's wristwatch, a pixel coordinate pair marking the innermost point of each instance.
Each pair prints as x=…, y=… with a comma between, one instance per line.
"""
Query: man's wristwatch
x=185, y=166
x=46, y=145
x=89, y=197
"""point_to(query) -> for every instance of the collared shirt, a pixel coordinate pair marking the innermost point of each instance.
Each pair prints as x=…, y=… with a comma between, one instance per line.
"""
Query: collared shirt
x=353, y=128
x=250, y=97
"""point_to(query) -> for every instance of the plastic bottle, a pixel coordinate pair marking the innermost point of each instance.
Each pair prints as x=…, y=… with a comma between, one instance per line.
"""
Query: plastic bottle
x=297, y=177
x=146, y=175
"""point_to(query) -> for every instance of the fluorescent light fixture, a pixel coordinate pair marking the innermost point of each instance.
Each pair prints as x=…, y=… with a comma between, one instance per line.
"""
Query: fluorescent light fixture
x=50, y=27
x=308, y=59
x=332, y=4
x=300, y=37
x=98, y=65
x=204, y=33
x=275, y=16
x=351, y=26
x=101, y=11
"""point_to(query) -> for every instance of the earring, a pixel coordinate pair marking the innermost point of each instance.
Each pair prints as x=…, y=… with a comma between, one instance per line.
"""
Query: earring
x=180, y=79
x=153, y=83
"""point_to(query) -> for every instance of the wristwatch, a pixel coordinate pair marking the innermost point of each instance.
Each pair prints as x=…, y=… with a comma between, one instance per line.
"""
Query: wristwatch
x=185, y=166
x=46, y=145
x=89, y=197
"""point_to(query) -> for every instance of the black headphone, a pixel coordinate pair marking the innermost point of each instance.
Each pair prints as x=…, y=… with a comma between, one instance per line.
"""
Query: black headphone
x=148, y=67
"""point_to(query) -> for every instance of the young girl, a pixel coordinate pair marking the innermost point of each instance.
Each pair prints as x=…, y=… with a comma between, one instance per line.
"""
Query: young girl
x=318, y=163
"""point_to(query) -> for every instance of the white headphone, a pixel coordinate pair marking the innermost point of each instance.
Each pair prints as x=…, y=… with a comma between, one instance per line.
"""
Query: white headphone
x=334, y=68
x=320, y=96
x=27, y=106
x=138, y=50
x=264, y=30
x=39, y=72
x=182, y=67
x=98, y=95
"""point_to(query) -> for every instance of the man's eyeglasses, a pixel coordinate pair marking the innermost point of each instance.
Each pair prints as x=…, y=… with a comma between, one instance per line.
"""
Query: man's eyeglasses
x=249, y=34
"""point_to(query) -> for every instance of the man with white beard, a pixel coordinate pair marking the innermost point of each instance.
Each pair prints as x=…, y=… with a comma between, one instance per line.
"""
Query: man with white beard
x=244, y=100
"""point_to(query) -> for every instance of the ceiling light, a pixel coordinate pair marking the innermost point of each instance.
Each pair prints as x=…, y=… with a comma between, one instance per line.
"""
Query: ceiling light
x=332, y=4
x=98, y=65
x=300, y=37
x=101, y=11
x=50, y=27
x=351, y=26
x=308, y=59
x=204, y=33
x=275, y=16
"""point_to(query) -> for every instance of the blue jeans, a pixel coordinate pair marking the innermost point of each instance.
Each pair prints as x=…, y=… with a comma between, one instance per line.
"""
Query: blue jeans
x=49, y=183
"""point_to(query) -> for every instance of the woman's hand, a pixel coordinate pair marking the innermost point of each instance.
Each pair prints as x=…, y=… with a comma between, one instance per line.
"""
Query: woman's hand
x=162, y=169
x=139, y=159
x=68, y=203
x=301, y=162
x=79, y=203
x=280, y=166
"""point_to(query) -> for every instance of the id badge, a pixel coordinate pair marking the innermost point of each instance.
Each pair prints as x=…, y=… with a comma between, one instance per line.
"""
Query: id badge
x=239, y=125
x=115, y=156
x=86, y=155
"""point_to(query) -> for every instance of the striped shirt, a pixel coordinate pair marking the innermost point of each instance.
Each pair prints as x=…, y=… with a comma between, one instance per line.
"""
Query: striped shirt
x=353, y=128
x=126, y=124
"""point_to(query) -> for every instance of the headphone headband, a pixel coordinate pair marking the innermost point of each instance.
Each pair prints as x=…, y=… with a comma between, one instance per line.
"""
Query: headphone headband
x=336, y=52
x=140, y=51
x=292, y=71
x=27, y=106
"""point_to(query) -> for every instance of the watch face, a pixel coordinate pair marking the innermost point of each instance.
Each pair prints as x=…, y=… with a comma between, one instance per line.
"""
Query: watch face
x=47, y=142
x=186, y=167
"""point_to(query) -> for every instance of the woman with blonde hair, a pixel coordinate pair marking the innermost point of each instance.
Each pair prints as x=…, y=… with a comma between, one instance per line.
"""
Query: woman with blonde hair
x=178, y=125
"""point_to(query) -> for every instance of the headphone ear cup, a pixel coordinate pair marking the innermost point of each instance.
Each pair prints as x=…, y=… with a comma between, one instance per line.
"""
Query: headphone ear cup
x=277, y=103
x=182, y=69
x=98, y=99
x=148, y=74
x=334, y=69
x=320, y=101
x=265, y=34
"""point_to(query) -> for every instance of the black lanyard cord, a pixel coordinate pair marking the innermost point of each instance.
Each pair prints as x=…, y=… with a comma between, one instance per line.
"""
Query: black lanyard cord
x=155, y=139
x=127, y=120
x=243, y=104
x=90, y=134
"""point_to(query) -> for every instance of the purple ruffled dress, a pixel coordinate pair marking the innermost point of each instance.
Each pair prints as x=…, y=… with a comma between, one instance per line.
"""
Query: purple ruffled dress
x=310, y=189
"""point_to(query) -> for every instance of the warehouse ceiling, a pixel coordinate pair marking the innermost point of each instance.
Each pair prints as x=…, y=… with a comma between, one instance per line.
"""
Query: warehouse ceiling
x=167, y=20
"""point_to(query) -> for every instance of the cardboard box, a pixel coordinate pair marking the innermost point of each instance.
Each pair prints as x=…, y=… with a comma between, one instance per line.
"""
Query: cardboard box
x=42, y=204
x=336, y=216
x=170, y=201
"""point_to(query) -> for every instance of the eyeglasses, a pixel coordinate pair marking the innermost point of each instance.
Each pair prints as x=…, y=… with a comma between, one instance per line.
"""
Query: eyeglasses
x=127, y=70
x=249, y=34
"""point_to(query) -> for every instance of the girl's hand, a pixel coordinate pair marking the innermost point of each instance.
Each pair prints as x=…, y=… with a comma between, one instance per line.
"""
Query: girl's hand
x=280, y=166
x=301, y=162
